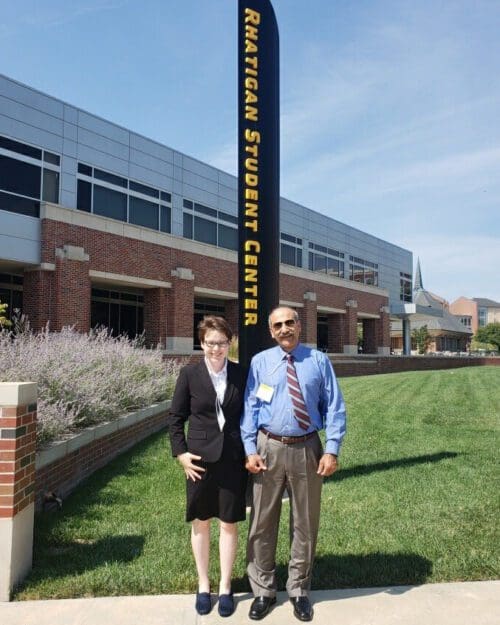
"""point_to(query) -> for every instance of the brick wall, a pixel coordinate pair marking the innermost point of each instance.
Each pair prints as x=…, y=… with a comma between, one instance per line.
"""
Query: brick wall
x=17, y=471
x=63, y=474
x=71, y=295
x=346, y=366
x=38, y=297
x=115, y=254
x=17, y=458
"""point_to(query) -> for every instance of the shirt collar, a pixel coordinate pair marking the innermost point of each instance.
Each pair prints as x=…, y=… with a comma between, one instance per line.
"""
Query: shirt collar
x=295, y=352
x=221, y=373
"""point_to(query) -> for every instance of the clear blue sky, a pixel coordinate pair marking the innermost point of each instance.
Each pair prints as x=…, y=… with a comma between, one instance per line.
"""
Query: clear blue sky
x=390, y=109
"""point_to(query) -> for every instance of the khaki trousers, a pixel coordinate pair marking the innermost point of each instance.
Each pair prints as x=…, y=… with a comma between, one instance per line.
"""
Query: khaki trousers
x=291, y=468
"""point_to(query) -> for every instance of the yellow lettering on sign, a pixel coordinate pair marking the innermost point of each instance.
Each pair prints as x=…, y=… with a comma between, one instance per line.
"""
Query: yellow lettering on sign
x=251, y=33
x=250, y=47
x=250, y=319
x=252, y=83
x=250, y=97
x=252, y=180
x=251, y=164
x=251, y=113
x=251, y=304
x=252, y=17
x=253, y=61
x=252, y=246
x=251, y=210
x=252, y=136
x=250, y=275
x=250, y=259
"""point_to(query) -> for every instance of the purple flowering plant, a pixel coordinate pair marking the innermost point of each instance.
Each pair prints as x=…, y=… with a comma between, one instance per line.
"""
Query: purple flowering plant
x=83, y=379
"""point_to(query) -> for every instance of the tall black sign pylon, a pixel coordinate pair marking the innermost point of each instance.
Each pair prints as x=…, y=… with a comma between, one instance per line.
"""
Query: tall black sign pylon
x=258, y=174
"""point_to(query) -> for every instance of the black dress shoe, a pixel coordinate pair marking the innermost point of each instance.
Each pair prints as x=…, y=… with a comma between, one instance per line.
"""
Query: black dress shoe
x=226, y=604
x=260, y=607
x=302, y=608
x=203, y=603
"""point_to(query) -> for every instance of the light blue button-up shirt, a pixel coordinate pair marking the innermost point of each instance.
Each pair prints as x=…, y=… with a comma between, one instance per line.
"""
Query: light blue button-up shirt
x=322, y=395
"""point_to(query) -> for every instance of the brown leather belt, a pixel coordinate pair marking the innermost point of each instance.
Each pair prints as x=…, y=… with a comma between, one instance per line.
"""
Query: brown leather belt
x=287, y=440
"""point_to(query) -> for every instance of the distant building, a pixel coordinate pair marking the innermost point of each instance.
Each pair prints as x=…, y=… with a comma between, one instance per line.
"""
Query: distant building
x=447, y=333
x=476, y=312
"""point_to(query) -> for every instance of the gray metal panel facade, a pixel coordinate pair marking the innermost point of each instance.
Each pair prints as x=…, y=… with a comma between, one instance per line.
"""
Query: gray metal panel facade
x=32, y=117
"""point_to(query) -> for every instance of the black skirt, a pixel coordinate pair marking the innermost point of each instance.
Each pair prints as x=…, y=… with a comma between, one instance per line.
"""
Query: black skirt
x=221, y=491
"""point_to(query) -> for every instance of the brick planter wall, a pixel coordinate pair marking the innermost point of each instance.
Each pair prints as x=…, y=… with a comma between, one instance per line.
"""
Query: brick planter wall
x=61, y=466
x=17, y=468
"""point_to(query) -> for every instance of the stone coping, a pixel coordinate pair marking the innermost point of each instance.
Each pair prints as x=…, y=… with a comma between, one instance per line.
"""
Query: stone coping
x=58, y=449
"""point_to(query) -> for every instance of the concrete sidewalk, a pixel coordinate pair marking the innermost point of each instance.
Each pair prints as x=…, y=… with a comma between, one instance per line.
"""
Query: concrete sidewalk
x=469, y=603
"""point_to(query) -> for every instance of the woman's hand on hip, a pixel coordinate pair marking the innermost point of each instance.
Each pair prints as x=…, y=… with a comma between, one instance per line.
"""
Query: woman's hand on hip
x=192, y=471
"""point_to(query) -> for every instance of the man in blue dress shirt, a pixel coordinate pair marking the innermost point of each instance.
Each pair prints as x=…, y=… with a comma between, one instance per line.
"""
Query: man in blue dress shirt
x=291, y=394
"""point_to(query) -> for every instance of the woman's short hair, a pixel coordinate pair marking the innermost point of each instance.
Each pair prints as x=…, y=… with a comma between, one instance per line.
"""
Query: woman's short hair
x=212, y=322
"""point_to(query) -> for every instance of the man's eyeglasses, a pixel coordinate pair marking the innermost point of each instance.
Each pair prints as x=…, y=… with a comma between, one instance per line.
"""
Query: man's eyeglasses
x=213, y=344
x=289, y=323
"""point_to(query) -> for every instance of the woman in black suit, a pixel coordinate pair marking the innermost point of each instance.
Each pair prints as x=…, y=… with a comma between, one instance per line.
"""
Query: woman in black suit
x=209, y=396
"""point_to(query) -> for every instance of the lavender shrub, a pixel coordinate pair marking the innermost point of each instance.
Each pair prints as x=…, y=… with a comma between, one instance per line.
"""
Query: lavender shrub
x=84, y=379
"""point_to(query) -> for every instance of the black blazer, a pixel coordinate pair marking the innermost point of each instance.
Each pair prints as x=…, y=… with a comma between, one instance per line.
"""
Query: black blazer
x=194, y=402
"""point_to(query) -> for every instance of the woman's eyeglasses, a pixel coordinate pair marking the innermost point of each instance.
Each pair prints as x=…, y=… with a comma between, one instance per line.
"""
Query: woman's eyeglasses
x=213, y=344
x=289, y=323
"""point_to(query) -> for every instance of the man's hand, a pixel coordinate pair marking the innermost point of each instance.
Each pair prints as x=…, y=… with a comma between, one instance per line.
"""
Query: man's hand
x=192, y=471
x=255, y=464
x=327, y=465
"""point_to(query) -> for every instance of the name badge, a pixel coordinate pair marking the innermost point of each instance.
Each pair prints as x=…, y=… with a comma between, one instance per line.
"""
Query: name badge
x=265, y=392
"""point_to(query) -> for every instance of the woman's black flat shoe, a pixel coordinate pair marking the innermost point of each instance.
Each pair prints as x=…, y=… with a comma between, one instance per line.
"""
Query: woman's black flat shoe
x=203, y=603
x=226, y=605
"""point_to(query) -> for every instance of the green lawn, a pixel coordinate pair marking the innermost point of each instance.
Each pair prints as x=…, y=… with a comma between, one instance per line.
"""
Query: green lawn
x=416, y=501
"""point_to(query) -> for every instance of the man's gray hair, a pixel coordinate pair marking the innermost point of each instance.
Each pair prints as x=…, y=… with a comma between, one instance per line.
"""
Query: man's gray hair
x=295, y=313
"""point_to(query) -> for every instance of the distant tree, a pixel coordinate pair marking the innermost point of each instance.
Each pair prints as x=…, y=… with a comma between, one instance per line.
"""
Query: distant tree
x=422, y=339
x=489, y=334
x=4, y=322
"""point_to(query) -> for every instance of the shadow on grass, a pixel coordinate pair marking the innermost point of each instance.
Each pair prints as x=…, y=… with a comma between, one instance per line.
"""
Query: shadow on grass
x=78, y=556
x=358, y=571
x=366, y=469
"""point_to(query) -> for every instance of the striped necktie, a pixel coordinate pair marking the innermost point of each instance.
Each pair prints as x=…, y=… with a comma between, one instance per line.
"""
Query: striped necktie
x=299, y=405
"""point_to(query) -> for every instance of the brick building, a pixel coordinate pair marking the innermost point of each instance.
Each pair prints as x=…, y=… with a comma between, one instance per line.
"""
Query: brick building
x=476, y=313
x=99, y=225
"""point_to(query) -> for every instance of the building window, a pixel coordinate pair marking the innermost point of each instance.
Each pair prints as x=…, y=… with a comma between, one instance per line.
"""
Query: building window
x=482, y=316
x=50, y=186
x=11, y=293
x=27, y=175
x=110, y=203
x=209, y=225
x=466, y=321
x=322, y=333
x=205, y=230
x=326, y=260
x=120, y=311
x=363, y=271
x=291, y=250
x=143, y=213
x=405, y=291
x=118, y=198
